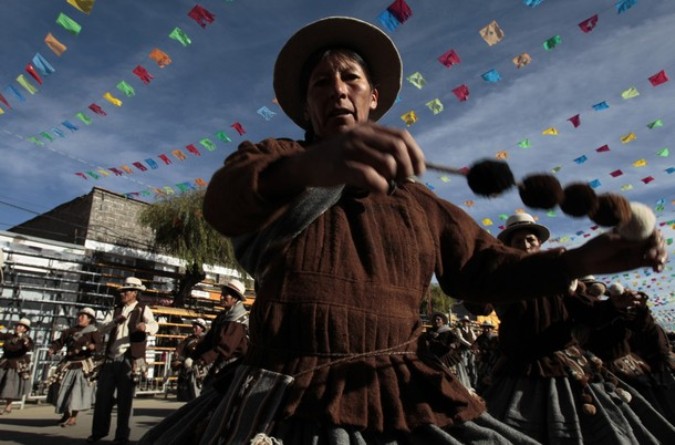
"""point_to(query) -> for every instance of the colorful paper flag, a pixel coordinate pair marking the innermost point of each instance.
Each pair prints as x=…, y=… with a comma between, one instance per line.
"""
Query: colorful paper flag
x=52, y=43
x=112, y=99
x=160, y=57
x=525, y=143
x=595, y=183
x=178, y=154
x=27, y=85
x=266, y=113
x=589, y=24
x=84, y=6
x=208, y=144
x=522, y=60
x=491, y=76
x=409, y=118
x=624, y=5
x=417, y=79
x=97, y=109
x=655, y=124
x=550, y=132
x=201, y=15
x=222, y=136
x=462, y=93
x=575, y=120
x=602, y=149
x=630, y=93
x=581, y=159
x=42, y=65
x=435, y=106
x=533, y=3
x=616, y=173
x=180, y=36
x=640, y=163
x=127, y=89
x=449, y=58
x=34, y=74
x=84, y=118
x=68, y=24
x=492, y=33
x=628, y=138
x=664, y=152
x=601, y=106
x=552, y=42
x=238, y=128
x=647, y=179
x=142, y=74
x=658, y=78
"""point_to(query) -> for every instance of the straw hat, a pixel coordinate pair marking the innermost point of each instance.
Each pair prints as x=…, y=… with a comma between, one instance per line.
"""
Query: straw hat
x=235, y=286
x=25, y=322
x=199, y=322
x=132, y=283
x=521, y=221
x=89, y=311
x=372, y=44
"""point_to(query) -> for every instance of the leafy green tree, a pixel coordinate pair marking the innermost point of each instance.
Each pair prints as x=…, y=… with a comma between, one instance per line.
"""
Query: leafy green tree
x=181, y=231
x=436, y=301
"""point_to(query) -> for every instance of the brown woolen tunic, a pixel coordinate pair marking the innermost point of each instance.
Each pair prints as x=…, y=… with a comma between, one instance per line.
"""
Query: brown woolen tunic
x=352, y=283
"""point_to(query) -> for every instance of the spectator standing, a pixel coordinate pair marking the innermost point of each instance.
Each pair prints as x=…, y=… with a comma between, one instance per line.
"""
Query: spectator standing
x=15, y=364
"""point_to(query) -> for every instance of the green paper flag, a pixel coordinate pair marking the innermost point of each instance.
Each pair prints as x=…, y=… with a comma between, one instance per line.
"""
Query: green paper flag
x=525, y=143
x=69, y=24
x=656, y=124
x=223, y=136
x=664, y=152
x=208, y=144
x=35, y=140
x=47, y=136
x=84, y=118
x=552, y=42
x=179, y=35
x=127, y=89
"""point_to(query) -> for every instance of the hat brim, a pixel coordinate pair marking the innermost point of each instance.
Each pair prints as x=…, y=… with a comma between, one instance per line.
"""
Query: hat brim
x=238, y=294
x=543, y=234
x=140, y=289
x=371, y=43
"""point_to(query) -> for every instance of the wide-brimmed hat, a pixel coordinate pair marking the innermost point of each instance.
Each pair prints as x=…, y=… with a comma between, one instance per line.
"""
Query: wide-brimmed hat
x=615, y=289
x=89, y=311
x=371, y=43
x=199, y=322
x=236, y=286
x=440, y=314
x=486, y=324
x=132, y=283
x=465, y=319
x=521, y=221
x=25, y=322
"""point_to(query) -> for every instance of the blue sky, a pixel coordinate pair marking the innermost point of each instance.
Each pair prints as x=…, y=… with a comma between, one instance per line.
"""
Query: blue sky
x=225, y=76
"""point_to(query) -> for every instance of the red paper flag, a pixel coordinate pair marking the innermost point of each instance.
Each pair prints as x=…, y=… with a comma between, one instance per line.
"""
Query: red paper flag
x=462, y=93
x=588, y=24
x=201, y=15
x=31, y=70
x=647, y=180
x=238, y=127
x=602, y=149
x=165, y=158
x=659, y=78
x=192, y=149
x=400, y=10
x=142, y=74
x=576, y=120
x=116, y=171
x=98, y=110
x=449, y=58
x=140, y=166
x=82, y=175
x=4, y=101
x=616, y=173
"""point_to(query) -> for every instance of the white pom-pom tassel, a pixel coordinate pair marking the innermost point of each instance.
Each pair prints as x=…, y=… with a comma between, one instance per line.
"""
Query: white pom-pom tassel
x=641, y=224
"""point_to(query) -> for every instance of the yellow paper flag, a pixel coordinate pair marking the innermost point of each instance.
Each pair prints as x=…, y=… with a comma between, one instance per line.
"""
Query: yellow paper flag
x=487, y=222
x=628, y=138
x=409, y=118
x=640, y=163
x=502, y=154
x=82, y=5
x=550, y=131
x=112, y=99
x=24, y=83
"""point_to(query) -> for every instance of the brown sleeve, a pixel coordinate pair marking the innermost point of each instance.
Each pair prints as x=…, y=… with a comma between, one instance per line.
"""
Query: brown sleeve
x=233, y=204
x=475, y=266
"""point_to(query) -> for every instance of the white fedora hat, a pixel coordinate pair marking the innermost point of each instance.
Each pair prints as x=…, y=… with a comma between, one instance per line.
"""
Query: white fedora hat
x=89, y=311
x=199, y=322
x=371, y=43
x=521, y=221
x=236, y=286
x=25, y=322
x=132, y=283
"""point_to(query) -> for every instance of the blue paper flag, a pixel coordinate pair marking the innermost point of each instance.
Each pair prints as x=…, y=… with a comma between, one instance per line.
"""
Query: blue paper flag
x=491, y=76
x=601, y=106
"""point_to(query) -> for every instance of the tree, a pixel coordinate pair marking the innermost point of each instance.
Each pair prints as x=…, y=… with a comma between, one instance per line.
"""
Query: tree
x=181, y=231
x=436, y=301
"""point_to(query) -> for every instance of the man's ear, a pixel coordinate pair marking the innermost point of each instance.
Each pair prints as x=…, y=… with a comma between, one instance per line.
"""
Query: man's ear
x=374, y=96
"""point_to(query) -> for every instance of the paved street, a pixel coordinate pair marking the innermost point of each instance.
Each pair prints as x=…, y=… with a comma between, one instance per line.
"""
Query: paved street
x=36, y=424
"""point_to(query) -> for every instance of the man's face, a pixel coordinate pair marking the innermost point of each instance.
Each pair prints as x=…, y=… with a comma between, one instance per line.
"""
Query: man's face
x=83, y=320
x=197, y=329
x=128, y=296
x=525, y=240
x=227, y=299
x=20, y=329
x=438, y=321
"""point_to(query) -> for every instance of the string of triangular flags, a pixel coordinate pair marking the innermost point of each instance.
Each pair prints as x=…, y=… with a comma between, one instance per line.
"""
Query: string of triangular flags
x=163, y=159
